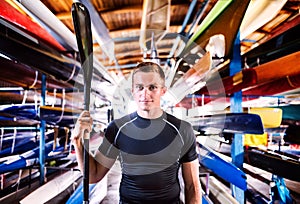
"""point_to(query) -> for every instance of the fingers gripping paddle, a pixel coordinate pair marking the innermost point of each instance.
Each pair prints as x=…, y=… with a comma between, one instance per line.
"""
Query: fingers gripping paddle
x=82, y=26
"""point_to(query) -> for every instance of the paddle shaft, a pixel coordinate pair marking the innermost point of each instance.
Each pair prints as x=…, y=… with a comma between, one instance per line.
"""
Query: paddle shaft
x=82, y=27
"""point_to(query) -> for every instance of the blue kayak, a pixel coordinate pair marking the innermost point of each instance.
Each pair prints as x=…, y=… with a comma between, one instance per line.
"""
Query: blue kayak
x=21, y=142
x=24, y=160
x=77, y=196
x=21, y=111
x=226, y=170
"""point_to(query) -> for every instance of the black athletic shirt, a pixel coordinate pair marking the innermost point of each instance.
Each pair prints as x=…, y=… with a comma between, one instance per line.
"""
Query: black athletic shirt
x=150, y=152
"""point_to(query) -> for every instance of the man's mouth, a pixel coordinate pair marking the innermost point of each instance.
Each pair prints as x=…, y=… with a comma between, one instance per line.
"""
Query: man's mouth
x=145, y=101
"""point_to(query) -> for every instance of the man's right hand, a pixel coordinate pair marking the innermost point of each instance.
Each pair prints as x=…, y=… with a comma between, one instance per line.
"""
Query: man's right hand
x=82, y=126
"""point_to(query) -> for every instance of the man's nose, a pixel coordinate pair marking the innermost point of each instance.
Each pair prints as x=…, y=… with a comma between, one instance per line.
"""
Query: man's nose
x=145, y=90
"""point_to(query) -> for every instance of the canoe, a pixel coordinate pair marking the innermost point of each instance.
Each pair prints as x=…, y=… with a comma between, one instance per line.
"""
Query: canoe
x=224, y=19
x=36, y=54
x=247, y=79
x=40, y=13
x=77, y=195
x=290, y=111
x=206, y=200
x=15, y=96
x=53, y=188
x=279, y=86
x=18, y=115
x=19, y=184
x=218, y=192
x=271, y=116
x=22, y=111
x=261, y=78
x=228, y=123
x=19, y=148
x=97, y=192
x=231, y=84
x=292, y=134
x=41, y=57
x=274, y=162
x=222, y=168
x=21, y=142
x=59, y=115
x=24, y=160
x=9, y=139
x=27, y=26
x=278, y=46
x=26, y=77
x=256, y=140
x=273, y=70
x=259, y=12
x=8, y=121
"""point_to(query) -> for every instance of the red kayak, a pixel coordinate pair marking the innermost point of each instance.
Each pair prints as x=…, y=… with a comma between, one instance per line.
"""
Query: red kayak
x=24, y=23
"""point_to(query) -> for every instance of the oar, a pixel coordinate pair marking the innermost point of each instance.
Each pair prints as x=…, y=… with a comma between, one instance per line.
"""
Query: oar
x=82, y=26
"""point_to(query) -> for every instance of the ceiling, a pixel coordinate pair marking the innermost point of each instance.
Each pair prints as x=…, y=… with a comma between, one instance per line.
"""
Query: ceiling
x=119, y=48
x=123, y=20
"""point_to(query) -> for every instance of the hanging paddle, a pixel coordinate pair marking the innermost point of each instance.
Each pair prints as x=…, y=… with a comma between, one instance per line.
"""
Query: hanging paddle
x=82, y=27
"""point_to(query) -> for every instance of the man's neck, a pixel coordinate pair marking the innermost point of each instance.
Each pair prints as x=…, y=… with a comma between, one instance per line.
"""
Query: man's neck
x=150, y=114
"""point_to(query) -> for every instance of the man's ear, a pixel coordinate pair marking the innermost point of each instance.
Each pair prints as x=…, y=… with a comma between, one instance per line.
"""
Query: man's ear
x=164, y=90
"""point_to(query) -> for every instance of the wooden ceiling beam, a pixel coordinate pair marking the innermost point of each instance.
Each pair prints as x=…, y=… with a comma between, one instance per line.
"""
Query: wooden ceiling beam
x=112, y=11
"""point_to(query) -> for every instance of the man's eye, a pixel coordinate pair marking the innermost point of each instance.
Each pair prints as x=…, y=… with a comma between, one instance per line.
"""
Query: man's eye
x=139, y=87
x=152, y=87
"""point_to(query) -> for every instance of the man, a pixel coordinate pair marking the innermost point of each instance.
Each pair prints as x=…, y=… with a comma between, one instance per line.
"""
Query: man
x=150, y=143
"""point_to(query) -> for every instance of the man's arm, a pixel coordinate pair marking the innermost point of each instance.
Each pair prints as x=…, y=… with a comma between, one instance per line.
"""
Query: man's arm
x=96, y=168
x=192, y=186
x=98, y=165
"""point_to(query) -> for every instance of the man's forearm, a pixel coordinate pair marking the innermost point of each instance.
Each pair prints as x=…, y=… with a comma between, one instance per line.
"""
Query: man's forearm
x=192, y=187
x=79, y=153
x=96, y=170
x=193, y=195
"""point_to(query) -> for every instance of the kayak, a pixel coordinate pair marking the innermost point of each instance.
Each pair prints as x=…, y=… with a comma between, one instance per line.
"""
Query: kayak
x=21, y=142
x=26, y=25
x=228, y=123
x=24, y=160
x=222, y=168
x=279, y=164
x=59, y=115
x=53, y=188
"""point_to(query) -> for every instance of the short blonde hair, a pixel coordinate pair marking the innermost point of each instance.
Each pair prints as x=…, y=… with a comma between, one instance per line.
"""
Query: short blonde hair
x=149, y=67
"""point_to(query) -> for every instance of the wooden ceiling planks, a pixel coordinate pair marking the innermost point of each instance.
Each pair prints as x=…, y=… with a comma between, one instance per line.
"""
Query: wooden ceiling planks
x=123, y=20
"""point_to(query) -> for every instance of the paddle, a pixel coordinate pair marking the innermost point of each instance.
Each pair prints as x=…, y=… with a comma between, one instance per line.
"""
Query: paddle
x=82, y=26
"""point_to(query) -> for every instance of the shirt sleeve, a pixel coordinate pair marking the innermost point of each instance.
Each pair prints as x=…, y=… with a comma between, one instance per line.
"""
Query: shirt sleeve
x=189, y=152
x=108, y=148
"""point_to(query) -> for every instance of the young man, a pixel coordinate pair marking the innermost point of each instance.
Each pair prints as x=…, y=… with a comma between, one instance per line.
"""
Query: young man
x=151, y=145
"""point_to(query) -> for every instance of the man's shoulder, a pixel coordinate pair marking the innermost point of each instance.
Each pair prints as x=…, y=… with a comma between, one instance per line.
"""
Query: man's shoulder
x=124, y=119
x=176, y=121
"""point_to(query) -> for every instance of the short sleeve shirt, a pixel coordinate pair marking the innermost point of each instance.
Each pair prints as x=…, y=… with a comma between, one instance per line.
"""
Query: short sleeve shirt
x=150, y=152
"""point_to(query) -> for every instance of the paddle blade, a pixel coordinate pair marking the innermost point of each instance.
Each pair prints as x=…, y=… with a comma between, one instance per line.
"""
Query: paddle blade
x=82, y=26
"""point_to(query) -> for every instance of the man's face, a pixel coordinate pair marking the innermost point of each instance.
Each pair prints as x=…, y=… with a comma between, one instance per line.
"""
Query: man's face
x=147, y=89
